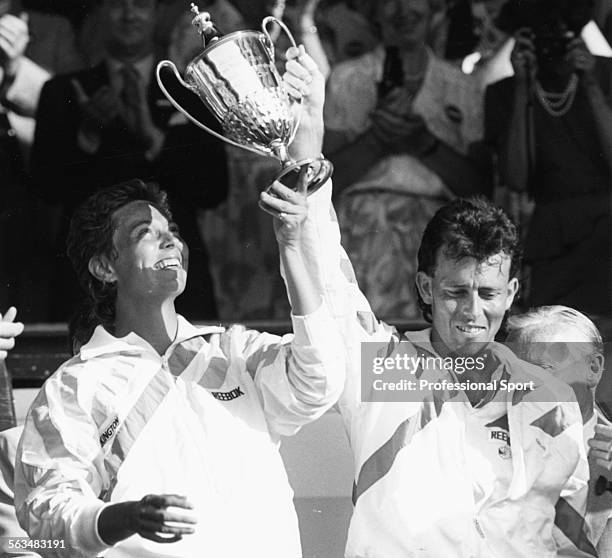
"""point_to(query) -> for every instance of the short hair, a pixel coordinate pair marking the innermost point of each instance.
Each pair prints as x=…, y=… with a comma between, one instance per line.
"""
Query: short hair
x=91, y=234
x=467, y=228
x=522, y=327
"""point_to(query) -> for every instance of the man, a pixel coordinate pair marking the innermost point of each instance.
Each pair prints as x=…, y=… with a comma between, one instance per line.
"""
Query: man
x=467, y=468
x=164, y=430
x=567, y=344
x=111, y=123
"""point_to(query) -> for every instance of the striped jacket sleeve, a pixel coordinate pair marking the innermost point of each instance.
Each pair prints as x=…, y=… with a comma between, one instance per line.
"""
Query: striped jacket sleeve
x=59, y=470
x=334, y=278
x=298, y=376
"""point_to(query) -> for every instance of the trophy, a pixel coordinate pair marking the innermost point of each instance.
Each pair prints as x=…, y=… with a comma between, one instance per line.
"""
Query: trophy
x=236, y=78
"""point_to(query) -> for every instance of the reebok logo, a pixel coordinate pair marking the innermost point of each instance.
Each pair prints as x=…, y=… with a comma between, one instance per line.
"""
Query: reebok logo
x=227, y=395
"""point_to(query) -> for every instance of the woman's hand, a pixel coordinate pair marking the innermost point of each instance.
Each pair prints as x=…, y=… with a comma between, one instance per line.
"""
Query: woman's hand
x=289, y=209
x=523, y=56
x=149, y=517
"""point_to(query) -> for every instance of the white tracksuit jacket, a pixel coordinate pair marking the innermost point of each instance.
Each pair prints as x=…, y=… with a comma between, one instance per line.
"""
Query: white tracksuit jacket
x=414, y=480
x=119, y=421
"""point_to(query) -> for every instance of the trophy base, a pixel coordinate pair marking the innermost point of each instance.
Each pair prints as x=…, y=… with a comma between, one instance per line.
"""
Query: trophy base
x=319, y=171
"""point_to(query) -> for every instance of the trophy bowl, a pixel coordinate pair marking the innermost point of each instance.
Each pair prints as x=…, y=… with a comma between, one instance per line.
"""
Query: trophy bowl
x=235, y=76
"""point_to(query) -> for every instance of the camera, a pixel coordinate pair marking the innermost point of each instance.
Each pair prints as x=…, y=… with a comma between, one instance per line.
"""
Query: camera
x=554, y=23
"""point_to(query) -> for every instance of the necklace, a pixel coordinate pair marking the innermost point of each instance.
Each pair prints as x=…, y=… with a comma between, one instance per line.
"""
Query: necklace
x=558, y=104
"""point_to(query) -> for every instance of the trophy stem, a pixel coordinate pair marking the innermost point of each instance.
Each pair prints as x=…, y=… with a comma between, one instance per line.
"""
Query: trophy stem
x=280, y=152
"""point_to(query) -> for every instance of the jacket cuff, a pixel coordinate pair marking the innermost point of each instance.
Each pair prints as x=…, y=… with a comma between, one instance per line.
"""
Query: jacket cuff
x=312, y=327
x=85, y=528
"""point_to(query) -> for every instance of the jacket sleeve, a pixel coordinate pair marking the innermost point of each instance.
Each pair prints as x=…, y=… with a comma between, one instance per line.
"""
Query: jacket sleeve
x=571, y=531
x=59, y=470
x=334, y=278
x=298, y=376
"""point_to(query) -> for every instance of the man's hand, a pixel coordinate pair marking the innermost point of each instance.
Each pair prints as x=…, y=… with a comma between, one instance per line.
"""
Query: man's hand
x=289, y=208
x=150, y=518
x=14, y=38
x=601, y=446
x=304, y=81
x=579, y=58
x=523, y=56
x=9, y=329
x=97, y=111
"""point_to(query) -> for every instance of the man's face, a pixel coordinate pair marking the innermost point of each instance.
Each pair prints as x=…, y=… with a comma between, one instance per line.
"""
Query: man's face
x=404, y=23
x=129, y=23
x=151, y=259
x=468, y=300
x=567, y=354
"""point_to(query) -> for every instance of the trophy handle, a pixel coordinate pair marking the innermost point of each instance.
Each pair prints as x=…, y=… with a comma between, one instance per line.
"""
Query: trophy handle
x=169, y=64
x=264, y=26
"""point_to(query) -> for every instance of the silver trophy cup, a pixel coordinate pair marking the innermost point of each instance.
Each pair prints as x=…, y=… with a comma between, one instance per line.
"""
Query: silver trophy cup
x=236, y=78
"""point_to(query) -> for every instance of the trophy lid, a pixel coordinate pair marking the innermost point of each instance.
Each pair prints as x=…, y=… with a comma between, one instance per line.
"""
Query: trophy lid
x=206, y=28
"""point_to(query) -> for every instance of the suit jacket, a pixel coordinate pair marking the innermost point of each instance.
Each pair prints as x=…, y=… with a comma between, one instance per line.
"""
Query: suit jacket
x=191, y=165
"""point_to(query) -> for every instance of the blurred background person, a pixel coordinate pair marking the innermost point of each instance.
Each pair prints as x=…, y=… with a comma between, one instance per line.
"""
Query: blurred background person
x=33, y=46
x=551, y=127
x=568, y=345
x=402, y=129
x=111, y=123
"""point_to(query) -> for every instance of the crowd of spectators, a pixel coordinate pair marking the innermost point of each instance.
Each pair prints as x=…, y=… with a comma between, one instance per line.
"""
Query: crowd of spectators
x=427, y=100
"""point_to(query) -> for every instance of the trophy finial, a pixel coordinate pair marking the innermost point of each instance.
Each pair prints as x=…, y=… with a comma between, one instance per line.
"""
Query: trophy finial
x=203, y=24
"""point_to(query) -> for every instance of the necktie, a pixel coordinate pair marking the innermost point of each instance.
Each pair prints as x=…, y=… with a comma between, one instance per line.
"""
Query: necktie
x=131, y=96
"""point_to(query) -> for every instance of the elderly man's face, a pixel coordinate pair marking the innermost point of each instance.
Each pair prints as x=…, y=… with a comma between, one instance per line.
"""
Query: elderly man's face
x=404, y=23
x=129, y=23
x=568, y=354
x=468, y=300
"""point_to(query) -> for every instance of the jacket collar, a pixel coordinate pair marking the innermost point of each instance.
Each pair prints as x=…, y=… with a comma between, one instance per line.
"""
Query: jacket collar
x=104, y=343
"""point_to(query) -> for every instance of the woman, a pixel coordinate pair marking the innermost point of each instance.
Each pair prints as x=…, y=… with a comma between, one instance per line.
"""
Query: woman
x=551, y=124
x=164, y=430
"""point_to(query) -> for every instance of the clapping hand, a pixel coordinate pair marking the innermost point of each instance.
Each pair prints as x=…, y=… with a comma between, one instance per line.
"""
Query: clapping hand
x=9, y=329
x=14, y=38
x=601, y=446
x=395, y=124
x=99, y=110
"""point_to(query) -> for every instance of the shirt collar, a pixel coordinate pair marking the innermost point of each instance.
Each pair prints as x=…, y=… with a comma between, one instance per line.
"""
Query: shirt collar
x=104, y=343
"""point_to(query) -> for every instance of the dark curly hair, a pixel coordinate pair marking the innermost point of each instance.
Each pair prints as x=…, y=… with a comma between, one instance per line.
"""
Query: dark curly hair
x=91, y=234
x=468, y=228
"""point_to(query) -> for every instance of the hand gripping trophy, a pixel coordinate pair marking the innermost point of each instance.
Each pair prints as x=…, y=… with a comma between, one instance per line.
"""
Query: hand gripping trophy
x=236, y=78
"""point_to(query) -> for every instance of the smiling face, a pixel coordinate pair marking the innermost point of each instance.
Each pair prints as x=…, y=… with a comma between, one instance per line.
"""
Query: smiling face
x=129, y=26
x=404, y=23
x=151, y=259
x=468, y=300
